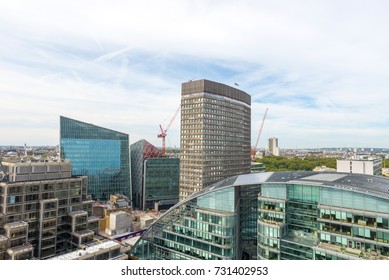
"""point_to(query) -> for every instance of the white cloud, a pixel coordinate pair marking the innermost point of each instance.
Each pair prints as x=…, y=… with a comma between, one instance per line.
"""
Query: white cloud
x=321, y=67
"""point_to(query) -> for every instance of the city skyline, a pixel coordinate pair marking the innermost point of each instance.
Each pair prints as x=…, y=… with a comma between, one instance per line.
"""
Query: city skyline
x=319, y=67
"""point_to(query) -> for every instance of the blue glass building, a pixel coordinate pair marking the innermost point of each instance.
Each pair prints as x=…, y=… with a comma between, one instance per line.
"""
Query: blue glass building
x=99, y=153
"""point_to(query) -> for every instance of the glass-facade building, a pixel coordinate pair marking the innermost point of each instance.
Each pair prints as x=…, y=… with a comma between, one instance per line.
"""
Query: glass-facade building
x=161, y=182
x=155, y=177
x=280, y=216
x=99, y=153
x=140, y=151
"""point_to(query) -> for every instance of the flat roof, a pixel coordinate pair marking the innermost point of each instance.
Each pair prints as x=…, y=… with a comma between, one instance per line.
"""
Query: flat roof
x=104, y=244
x=200, y=86
x=369, y=184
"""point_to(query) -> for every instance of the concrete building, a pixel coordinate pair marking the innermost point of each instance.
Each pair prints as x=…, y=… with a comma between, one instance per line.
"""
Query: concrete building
x=114, y=216
x=119, y=222
x=276, y=215
x=273, y=146
x=101, y=154
x=44, y=210
x=215, y=134
x=360, y=165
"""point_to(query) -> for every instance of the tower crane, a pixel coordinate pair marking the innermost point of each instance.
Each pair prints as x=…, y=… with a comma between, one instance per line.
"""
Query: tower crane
x=254, y=149
x=164, y=131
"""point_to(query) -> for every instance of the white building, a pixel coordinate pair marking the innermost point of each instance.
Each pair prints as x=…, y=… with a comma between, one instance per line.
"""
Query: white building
x=273, y=146
x=366, y=165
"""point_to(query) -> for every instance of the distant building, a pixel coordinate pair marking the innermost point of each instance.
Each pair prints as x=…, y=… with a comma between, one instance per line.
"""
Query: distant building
x=99, y=153
x=273, y=146
x=360, y=165
x=215, y=134
x=257, y=167
x=44, y=211
x=324, y=169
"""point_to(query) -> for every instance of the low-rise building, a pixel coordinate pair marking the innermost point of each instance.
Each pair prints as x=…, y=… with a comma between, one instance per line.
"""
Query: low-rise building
x=360, y=165
x=101, y=250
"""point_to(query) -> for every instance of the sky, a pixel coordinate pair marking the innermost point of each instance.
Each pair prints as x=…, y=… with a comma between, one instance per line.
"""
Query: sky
x=321, y=67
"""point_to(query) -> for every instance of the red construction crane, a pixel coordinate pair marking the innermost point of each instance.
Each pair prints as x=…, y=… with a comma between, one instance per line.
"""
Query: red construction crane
x=164, y=132
x=254, y=149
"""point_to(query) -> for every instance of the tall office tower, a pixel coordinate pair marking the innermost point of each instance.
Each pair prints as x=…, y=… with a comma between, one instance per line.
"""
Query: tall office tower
x=273, y=146
x=215, y=134
x=44, y=210
x=99, y=153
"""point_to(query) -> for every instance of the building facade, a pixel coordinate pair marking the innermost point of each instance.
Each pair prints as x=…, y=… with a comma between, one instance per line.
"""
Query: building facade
x=363, y=165
x=161, y=182
x=273, y=146
x=282, y=215
x=140, y=151
x=215, y=134
x=99, y=153
x=44, y=211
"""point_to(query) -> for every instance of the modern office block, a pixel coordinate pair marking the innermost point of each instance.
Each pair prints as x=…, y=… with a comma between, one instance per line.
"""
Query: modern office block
x=283, y=215
x=215, y=134
x=161, y=182
x=99, y=153
x=140, y=151
x=360, y=165
x=44, y=211
x=155, y=177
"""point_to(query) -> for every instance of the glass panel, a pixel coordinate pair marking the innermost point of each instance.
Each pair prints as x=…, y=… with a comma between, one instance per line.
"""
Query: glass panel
x=99, y=153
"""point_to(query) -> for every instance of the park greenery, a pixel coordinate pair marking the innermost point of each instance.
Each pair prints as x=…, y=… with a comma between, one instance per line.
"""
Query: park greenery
x=273, y=163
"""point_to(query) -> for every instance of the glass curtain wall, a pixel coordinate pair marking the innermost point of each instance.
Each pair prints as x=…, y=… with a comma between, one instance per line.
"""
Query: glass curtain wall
x=200, y=228
x=99, y=153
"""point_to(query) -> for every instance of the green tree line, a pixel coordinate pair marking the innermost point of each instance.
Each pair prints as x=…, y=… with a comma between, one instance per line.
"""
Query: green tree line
x=295, y=164
x=385, y=163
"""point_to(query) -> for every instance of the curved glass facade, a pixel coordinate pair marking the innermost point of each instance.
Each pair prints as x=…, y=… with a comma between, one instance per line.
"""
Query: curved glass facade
x=99, y=153
x=202, y=228
x=281, y=215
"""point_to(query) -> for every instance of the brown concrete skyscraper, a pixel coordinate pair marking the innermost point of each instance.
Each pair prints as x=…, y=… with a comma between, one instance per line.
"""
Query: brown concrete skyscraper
x=215, y=134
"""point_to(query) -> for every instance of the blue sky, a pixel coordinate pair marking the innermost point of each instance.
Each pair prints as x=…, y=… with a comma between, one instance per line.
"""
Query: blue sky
x=321, y=67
